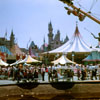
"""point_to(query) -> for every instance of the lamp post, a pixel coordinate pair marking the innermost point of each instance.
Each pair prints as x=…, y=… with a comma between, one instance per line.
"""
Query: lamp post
x=73, y=54
x=65, y=53
x=56, y=56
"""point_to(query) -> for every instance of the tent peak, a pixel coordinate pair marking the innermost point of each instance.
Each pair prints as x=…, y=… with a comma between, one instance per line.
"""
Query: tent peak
x=77, y=33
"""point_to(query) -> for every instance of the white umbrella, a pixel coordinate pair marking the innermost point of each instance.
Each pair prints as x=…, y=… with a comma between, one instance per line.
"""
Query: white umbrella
x=62, y=60
x=25, y=64
x=29, y=59
x=2, y=63
x=15, y=63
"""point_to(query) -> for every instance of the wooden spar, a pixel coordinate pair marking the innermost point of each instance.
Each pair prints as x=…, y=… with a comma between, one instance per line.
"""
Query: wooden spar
x=86, y=14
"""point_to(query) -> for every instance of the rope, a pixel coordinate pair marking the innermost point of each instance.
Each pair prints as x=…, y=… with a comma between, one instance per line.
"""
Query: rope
x=87, y=30
x=93, y=3
x=78, y=2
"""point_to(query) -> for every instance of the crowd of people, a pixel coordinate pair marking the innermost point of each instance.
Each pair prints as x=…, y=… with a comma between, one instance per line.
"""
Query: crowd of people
x=53, y=73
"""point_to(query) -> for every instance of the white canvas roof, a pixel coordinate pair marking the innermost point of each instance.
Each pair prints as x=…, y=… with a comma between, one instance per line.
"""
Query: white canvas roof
x=76, y=44
x=2, y=63
x=15, y=63
x=29, y=59
x=62, y=60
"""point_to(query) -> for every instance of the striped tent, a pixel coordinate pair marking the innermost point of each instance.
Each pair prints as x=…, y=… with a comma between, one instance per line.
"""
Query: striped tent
x=76, y=44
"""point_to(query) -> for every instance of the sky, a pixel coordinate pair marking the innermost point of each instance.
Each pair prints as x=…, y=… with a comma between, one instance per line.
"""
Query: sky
x=29, y=20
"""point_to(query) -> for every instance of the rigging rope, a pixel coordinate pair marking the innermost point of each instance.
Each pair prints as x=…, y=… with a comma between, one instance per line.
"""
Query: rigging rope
x=93, y=3
x=96, y=14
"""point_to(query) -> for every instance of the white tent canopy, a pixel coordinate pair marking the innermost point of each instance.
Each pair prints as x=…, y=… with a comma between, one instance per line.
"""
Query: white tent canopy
x=15, y=63
x=62, y=60
x=29, y=59
x=75, y=44
x=2, y=63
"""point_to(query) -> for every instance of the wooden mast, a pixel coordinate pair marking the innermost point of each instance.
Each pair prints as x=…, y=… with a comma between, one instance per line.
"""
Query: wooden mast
x=70, y=3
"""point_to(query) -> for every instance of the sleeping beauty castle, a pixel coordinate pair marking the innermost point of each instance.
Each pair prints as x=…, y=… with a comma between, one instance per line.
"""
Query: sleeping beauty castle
x=54, y=42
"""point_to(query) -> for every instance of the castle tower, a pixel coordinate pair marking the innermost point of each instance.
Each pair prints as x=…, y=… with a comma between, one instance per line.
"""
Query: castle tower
x=57, y=41
x=12, y=39
x=66, y=39
x=44, y=48
x=58, y=35
x=50, y=34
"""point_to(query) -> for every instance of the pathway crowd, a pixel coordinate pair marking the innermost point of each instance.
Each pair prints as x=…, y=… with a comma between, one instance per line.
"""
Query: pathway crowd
x=53, y=73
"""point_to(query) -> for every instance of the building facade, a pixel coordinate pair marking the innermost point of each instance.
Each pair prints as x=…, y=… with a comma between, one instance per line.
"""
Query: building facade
x=8, y=43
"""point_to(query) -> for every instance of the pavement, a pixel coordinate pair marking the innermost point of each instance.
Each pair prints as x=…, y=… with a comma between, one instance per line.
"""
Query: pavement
x=7, y=82
x=75, y=79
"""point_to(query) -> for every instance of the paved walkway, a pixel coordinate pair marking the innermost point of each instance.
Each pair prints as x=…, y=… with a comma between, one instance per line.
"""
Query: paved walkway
x=9, y=82
x=75, y=79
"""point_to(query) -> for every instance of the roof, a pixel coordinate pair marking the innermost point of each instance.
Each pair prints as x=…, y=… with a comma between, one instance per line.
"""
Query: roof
x=32, y=49
x=32, y=44
x=16, y=50
x=4, y=49
x=15, y=63
x=94, y=56
x=29, y=59
x=63, y=60
x=2, y=63
x=76, y=44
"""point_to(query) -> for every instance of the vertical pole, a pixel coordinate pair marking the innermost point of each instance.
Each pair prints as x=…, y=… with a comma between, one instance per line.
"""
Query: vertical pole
x=73, y=56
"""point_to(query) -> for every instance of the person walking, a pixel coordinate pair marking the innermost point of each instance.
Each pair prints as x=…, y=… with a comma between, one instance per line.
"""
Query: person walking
x=43, y=73
x=98, y=71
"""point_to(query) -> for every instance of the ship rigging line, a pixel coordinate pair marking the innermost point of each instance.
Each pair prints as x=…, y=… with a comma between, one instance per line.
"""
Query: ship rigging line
x=87, y=30
x=93, y=3
x=81, y=6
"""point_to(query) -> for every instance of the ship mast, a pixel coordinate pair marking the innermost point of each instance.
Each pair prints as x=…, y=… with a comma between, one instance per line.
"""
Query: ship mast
x=78, y=11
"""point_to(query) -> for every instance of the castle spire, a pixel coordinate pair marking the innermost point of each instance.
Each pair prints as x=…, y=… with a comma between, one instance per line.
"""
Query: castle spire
x=12, y=38
x=50, y=29
x=6, y=34
x=66, y=39
x=50, y=34
x=12, y=32
x=44, y=40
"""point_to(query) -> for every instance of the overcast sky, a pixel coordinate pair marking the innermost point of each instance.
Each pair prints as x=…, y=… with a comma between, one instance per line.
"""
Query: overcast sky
x=29, y=20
